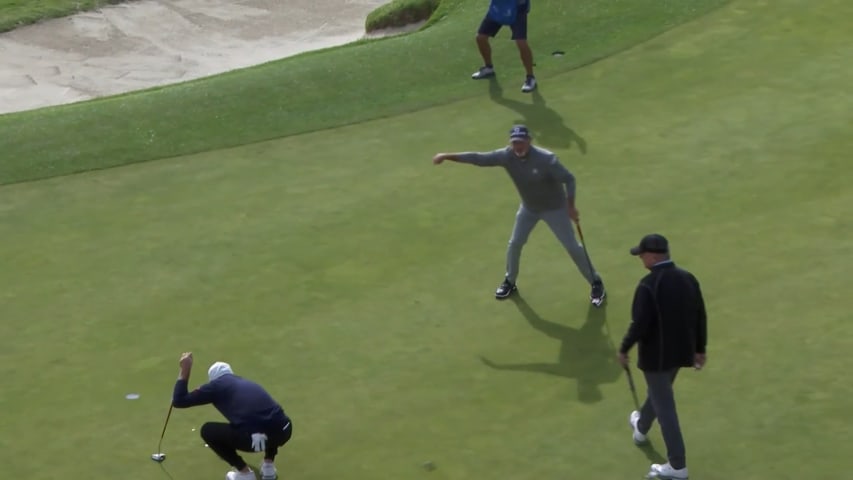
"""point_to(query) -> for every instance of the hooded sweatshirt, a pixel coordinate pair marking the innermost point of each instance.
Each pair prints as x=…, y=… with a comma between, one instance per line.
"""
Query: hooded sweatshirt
x=244, y=403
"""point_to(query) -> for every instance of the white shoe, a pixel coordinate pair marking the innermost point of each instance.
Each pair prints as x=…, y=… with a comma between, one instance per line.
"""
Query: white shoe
x=529, y=85
x=234, y=475
x=483, y=72
x=268, y=471
x=639, y=438
x=666, y=472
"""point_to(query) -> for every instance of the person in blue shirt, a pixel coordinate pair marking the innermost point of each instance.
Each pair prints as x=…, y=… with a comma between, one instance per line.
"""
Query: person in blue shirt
x=501, y=13
x=256, y=422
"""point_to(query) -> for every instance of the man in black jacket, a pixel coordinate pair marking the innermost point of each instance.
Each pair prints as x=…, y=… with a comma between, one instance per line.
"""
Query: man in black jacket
x=669, y=325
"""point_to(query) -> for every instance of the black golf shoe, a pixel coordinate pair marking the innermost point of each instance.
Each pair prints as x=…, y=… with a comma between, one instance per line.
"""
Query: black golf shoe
x=597, y=294
x=505, y=289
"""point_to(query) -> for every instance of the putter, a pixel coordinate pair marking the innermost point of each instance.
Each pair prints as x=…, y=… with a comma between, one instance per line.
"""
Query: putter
x=159, y=457
x=633, y=388
x=586, y=254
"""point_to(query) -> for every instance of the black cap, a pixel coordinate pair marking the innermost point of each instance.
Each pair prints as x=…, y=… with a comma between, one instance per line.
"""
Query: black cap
x=519, y=132
x=652, y=243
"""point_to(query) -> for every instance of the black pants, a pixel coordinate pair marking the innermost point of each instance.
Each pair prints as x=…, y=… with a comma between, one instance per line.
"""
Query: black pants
x=660, y=406
x=225, y=439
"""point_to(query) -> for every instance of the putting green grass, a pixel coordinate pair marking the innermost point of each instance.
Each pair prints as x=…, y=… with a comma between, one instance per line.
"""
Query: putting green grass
x=318, y=90
x=353, y=278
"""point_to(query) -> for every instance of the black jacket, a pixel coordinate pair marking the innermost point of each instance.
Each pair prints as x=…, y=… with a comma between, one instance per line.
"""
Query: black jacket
x=668, y=319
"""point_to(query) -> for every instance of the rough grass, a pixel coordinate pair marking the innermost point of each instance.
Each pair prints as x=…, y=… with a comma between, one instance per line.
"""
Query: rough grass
x=324, y=89
x=17, y=13
x=400, y=13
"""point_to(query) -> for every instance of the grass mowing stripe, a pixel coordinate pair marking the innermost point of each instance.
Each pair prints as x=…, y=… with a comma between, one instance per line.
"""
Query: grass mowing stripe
x=321, y=89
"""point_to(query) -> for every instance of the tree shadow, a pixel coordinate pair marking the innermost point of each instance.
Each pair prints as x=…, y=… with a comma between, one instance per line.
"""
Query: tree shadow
x=547, y=126
x=586, y=354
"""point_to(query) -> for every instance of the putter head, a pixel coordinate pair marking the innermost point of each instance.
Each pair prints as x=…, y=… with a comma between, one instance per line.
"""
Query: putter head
x=158, y=457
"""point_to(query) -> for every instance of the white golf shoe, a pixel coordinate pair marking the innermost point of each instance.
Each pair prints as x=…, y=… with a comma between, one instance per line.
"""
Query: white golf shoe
x=234, y=475
x=268, y=471
x=639, y=438
x=666, y=472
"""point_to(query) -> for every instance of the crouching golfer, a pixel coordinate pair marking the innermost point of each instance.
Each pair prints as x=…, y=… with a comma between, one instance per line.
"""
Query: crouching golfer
x=256, y=422
x=547, y=193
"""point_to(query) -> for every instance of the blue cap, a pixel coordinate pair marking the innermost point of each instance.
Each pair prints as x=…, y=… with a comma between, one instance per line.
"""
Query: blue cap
x=519, y=132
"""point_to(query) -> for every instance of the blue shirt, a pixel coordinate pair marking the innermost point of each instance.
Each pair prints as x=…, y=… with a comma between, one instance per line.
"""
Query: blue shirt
x=244, y=403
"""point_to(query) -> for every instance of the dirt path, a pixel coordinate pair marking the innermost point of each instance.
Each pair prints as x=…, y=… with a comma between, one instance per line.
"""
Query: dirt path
x=154, y=42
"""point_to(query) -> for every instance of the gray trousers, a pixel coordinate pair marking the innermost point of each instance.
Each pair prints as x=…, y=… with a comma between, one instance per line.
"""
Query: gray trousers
x=560, y=223
x=660, y=405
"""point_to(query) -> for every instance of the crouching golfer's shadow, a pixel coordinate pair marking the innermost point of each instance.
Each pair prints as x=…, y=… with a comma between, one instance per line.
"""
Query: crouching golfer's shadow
x=548, y=127
x=586, y=354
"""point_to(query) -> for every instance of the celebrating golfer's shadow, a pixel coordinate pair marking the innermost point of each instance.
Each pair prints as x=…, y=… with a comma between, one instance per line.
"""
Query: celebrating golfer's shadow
x=547, y=125
x=585, y=353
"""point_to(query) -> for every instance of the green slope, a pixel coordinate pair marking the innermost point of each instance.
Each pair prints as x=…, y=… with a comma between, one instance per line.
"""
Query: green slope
x=321, y=89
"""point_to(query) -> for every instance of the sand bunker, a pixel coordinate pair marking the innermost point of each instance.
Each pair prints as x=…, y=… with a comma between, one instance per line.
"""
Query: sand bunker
x=148, y=43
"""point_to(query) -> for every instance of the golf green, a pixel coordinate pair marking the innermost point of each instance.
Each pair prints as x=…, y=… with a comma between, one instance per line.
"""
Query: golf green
x=354, y=279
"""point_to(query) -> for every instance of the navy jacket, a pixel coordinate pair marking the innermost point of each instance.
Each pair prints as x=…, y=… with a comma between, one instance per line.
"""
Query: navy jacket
x=668, y=319
x=244, y=403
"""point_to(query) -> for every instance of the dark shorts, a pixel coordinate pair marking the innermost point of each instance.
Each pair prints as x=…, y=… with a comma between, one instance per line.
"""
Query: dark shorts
x=519, y=28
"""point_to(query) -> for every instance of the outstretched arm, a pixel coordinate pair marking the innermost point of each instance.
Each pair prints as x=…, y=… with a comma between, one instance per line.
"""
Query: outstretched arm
x=480, y=159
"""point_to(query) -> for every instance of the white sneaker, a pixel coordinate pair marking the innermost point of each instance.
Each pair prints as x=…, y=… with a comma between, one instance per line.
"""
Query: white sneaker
x=234, y=475
x=639, y=438
x=529, y=85
x=483, y=72
x=268, y=471
x=666, y=472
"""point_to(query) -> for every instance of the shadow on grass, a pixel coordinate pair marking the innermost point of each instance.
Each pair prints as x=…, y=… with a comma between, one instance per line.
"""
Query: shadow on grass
x=548, y=127
x=653, y=455
x=586, y=354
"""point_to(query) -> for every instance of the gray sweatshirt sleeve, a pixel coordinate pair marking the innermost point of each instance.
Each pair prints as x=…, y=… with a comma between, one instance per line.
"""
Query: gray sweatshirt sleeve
x=483, y=159
x=563, y=176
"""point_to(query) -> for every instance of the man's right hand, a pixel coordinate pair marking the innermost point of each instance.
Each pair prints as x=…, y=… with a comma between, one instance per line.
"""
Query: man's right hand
x=436, y=160
x=574, y=214
x=699, y=361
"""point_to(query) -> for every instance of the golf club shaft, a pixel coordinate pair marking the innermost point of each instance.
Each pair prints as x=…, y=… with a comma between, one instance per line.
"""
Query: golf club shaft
x=163, y=434
x=585, y=252
x=633, y=388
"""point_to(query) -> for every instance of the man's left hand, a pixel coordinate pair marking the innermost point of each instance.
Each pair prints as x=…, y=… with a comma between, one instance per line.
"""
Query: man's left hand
x=623, y=359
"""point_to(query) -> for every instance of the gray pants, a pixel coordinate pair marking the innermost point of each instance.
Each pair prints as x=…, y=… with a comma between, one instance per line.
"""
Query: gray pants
x=660, y=405
x=560, y=223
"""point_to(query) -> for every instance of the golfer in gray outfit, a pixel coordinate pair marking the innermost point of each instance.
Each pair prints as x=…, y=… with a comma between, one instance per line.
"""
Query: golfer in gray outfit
x=547, y=191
